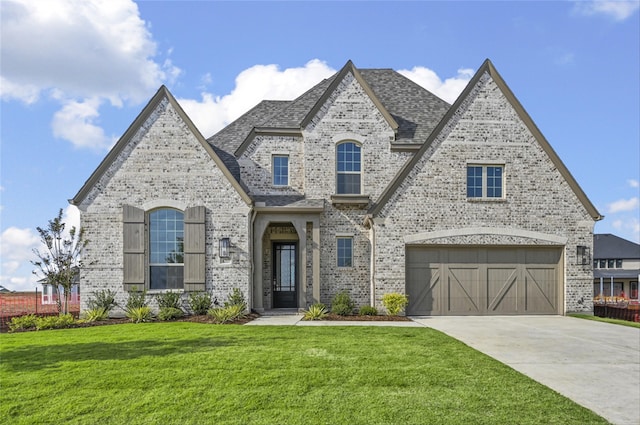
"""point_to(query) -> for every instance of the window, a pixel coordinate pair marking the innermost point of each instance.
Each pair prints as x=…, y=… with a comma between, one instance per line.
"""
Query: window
x=348, y=168
x=603, y=264
x=618, y=264
x=485, y=181
x=345, y=252
x=280, y=170
x=166, y=249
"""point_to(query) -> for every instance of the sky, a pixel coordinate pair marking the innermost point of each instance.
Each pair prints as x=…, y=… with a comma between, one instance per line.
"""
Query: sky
x=75, y=74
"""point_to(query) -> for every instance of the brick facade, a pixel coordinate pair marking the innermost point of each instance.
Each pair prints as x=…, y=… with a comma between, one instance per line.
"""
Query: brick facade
x=164, y=163
x=163, y=166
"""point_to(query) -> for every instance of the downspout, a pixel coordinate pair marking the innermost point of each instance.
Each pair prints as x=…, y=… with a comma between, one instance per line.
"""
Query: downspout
x=254, y=213
x=368, y=222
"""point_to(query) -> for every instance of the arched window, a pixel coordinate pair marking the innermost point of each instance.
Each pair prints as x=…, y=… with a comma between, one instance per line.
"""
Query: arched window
x=348, y=169
x=166, y=249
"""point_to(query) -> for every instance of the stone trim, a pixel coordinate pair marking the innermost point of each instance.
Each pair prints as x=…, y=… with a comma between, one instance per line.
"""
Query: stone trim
x=471, y=231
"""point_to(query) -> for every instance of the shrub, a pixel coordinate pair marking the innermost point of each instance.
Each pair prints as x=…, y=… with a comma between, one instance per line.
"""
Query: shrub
x=200, y=302
x=169, y=300
x=236, y=297
x=28, y=321
x=169, y=313
x=342, y=304
x=227, y=314
x=136, y=299
x=139, y=314
x=394, y=303
x=316, y=311
x=95, y=314
x=368, y=310
x=105, y=300
x=55, y=322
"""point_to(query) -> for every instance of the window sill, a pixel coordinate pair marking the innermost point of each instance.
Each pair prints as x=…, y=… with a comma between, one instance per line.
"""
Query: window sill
x=355, y=200
x=496, y=200
x=164, y=291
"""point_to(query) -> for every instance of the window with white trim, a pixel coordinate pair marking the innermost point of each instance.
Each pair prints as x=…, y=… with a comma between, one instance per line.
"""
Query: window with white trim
x=280, y=166
x=345, y=251
x=485, y=181
x=166, y=249
x=348, y=169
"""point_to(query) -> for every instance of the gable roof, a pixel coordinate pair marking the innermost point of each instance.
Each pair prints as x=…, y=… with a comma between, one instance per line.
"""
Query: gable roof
x=346, y=69
x=162, y=93
x=411, y=110
x=608, y=246
x=487, y=67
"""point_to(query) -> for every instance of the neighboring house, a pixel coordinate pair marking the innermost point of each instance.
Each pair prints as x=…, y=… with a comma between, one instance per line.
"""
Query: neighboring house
x=616, y=267
x=366, y=183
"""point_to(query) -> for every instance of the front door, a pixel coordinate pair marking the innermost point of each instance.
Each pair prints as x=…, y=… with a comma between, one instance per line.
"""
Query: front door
x=284, y=275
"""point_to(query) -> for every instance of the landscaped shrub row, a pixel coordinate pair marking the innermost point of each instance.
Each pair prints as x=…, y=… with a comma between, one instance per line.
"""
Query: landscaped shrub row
x=343, y=305
x=137, y=310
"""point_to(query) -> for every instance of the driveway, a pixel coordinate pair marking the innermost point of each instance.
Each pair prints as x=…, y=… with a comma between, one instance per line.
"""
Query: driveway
x=594, y=364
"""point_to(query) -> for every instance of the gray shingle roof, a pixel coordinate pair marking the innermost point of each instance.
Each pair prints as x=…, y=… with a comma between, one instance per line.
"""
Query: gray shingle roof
x=608, y=246
x=415, y=109
x=230, y=137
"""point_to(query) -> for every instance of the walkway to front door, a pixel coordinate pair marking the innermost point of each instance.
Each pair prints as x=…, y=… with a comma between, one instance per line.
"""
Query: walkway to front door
x=284, y=275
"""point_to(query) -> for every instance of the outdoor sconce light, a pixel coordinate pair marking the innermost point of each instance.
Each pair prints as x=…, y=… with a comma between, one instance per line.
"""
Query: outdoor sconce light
x=225, y=248
x=583, y=254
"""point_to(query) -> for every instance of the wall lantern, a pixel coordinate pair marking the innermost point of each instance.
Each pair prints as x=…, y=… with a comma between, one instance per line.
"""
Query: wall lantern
x=583, y=254
x=225, y=248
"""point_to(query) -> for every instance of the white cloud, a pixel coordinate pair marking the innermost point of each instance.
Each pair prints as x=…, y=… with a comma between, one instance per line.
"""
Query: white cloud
x=211, y=113
x=633, y=183
x=82, y=48
x=618, y=10
x=448, y=90
x=623, y=205
x=16, y=251
x=75, y=122
x=79, y=49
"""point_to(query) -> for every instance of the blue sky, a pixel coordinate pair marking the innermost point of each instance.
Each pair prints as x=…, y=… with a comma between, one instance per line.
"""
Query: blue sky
x=75, y=74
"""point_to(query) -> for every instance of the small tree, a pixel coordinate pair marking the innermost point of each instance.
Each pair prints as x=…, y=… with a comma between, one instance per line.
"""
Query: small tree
x=61, y=262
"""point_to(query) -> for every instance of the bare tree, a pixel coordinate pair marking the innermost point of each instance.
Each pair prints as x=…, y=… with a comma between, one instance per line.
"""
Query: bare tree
x=61, y=262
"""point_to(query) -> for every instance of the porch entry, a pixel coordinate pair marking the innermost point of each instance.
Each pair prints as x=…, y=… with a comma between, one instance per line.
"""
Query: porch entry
x=284, y=275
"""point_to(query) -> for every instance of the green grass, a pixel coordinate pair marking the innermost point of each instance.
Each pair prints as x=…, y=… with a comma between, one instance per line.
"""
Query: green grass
x=190, y=373
x=606, y=320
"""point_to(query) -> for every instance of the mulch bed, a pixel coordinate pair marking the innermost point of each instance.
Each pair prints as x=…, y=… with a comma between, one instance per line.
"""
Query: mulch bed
x=368, y=318
x=248, y=318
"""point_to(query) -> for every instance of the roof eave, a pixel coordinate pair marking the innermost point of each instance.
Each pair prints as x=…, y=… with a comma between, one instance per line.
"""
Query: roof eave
x=146, y=112
x=488, y=67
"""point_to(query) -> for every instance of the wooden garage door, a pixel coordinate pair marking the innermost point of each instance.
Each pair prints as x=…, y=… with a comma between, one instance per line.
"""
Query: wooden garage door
x=483, y=281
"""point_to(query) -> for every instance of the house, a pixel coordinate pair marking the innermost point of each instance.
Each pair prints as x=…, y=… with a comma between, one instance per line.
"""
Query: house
x=366, y=183
x=616, y=267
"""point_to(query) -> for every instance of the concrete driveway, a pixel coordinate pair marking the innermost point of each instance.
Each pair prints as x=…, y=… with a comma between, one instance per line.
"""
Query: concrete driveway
x=595, y=364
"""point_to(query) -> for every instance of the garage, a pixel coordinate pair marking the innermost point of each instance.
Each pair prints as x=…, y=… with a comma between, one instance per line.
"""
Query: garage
x=468, y=281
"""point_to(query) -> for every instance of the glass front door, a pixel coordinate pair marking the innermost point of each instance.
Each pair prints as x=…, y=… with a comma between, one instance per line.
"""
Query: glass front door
x=284, y=275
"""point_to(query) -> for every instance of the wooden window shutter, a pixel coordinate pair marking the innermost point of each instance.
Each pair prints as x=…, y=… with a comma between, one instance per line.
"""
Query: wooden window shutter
x=133, y=248
x=194, y=249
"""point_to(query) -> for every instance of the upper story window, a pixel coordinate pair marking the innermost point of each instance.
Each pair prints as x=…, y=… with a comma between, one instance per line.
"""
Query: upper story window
x=280, y=167
x=607, y=264
x=348, y=169
x=166, y=249
x=485, y=181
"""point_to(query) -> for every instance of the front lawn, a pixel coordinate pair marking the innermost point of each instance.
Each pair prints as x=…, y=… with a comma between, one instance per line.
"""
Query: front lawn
x=190, y=373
